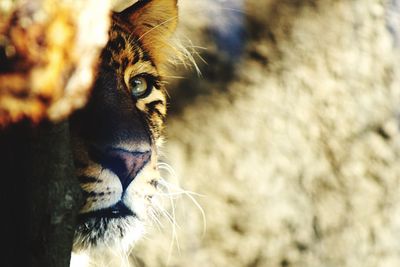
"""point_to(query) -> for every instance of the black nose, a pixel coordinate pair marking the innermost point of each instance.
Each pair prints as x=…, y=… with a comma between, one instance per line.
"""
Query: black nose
x=125, y=164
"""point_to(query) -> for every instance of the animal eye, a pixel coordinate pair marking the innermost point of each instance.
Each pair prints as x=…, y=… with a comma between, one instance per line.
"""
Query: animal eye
x=139, y=86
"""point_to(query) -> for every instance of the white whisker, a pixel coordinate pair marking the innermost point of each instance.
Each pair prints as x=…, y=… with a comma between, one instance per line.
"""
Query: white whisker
x=153, y=215
x=189, y=195
x=168, y=216
x=157, y=26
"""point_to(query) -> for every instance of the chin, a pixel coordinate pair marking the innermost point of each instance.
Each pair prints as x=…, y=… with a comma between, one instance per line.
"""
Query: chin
x=105, y=241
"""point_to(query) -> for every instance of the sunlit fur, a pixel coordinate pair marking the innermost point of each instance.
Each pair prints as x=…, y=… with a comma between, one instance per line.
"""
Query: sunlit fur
x=138, y=45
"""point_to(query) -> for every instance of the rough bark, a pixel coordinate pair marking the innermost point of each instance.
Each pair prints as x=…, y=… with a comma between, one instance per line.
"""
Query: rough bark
x=48, y=55
x=40, y=194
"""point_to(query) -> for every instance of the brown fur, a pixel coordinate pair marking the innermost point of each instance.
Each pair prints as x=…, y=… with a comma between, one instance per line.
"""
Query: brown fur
x=153, y=23
x=115, y=120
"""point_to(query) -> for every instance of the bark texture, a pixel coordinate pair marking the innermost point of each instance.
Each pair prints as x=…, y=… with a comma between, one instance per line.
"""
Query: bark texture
x=42, y=195
x=48, y=54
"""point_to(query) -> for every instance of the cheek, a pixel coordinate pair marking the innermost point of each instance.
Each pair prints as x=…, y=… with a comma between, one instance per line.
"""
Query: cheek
x=103, y=193
x=155, y=96
x=154, y=108
x=141, y=191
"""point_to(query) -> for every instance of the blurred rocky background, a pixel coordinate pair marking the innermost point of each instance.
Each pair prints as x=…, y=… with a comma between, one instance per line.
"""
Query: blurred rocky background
x=290, y=134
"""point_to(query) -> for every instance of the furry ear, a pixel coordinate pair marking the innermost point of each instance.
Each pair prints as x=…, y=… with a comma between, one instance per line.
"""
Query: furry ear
x=151, y=21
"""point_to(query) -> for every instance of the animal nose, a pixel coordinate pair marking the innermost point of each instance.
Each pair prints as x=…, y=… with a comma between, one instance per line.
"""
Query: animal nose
x=126, y=164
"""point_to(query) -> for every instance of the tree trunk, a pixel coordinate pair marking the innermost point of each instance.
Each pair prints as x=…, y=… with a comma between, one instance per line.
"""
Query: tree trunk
x=48, y=54
x=40, y=194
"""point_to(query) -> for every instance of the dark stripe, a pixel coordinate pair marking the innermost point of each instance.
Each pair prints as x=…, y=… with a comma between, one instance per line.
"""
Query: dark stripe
x=152, y=107
x=146, y=57
x=135, y=54
x=106, y=56
x=154, y=183
x=139, y=52
x=119, y=210
x=156, y=127
x=116, y=28
x=157, y=82
x=155, y=110
x=145, y=54
x=115, y=65
x=92, y=194
x=88, y=179
x=125, y=62
x=118, y=43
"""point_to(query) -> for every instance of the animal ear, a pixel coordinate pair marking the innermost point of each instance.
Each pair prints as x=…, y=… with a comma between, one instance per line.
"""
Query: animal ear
x=151, y=21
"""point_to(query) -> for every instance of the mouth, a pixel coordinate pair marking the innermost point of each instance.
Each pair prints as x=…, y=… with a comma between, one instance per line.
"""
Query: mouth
x=105, y=226
x=118, y=210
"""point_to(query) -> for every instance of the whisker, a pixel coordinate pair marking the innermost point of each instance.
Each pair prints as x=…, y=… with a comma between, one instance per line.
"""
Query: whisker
x=167, y=167
x=179, y=190
x=153, y=216
x=195, y=202
x=157, y=26
x=241, y=11
x=174, y=233
x=174, y=77
x=168, y=216
x=180, y=193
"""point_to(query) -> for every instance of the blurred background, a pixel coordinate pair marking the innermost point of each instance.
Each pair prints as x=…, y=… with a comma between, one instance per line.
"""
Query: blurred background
x=288, y=140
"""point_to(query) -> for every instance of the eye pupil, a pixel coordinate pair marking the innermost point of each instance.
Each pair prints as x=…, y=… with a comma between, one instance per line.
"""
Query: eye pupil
x=138, y=86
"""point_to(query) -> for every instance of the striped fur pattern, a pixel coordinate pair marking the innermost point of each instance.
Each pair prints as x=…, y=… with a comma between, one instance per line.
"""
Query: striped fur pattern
x=126, y=55
x=116, y=137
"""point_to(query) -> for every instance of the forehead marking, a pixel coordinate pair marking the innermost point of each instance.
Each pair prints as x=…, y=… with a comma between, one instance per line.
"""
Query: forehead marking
x=138, y=68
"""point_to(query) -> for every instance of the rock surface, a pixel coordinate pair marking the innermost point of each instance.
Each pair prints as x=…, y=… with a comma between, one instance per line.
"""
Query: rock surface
x=294, y=142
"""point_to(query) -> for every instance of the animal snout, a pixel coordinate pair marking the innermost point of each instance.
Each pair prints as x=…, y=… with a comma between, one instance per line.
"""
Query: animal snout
x=125, y=164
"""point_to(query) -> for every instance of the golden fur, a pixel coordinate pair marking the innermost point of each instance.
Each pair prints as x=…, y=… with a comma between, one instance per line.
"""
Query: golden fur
x=117, y=132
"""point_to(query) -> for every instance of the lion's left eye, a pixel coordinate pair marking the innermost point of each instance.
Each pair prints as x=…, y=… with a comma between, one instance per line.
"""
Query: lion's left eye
x=139, y=86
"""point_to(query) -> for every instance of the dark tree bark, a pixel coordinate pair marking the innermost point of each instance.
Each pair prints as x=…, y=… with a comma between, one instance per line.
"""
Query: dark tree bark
x=48, y=55
x=40, y=194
